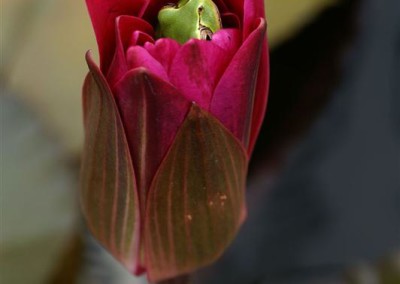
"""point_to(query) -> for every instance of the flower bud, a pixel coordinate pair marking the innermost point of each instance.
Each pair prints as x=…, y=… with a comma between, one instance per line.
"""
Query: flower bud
x=169, y=129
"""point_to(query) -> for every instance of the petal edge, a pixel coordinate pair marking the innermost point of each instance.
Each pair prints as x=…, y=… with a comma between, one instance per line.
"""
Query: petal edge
x=108, y=186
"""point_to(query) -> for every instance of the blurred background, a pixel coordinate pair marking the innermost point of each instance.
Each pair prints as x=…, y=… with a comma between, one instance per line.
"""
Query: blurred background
x=324, y=182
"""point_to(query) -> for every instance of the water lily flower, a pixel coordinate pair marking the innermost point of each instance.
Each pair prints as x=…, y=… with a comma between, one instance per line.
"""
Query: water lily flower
x=171, y=117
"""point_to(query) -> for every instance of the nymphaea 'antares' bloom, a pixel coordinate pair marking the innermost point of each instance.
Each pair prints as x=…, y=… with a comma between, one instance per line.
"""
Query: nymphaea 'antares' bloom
x=171, y=117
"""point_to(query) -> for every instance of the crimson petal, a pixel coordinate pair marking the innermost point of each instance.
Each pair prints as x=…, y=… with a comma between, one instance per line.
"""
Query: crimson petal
x=103, y=15
x=125, y=26
x=137, y=56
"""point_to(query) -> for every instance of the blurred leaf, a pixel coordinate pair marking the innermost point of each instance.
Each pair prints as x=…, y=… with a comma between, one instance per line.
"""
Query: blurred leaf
x=37, y=199
x=386, y=271
x=48, y=69
x=389, y=270
x=286, y=17
x=18, y=20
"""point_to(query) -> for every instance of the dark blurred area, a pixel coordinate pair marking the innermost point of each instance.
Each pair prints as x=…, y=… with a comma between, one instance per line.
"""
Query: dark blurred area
x=324, y=188
x=305, y=72
x=324, y=180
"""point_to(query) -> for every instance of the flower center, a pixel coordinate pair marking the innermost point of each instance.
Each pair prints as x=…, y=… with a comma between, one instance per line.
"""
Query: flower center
x=189, y=19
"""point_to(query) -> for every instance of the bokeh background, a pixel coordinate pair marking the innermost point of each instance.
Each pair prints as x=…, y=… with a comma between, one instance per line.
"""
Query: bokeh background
x=324, y=183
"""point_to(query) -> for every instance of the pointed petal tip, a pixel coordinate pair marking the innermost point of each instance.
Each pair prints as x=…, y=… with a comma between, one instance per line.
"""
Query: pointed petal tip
x=110, y=208
x=93, y=66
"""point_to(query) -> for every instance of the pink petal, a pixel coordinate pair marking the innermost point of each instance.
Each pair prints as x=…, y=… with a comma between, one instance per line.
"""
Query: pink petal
x=137, y=56
x=252, y=11
x=164, y=51
x=125, y=27
x=228, y=39
x=233, y=98
x=152, y=111
x=140, y=38
x=103, y=14
x=196, y=69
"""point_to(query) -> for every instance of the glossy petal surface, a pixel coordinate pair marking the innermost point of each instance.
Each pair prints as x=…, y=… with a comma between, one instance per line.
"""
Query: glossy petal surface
x=196, y=202
x=108, y=190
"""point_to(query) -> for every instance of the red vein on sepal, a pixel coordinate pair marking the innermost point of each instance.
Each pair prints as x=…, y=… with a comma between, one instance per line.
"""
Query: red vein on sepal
x=185, y=198
x=171, y=184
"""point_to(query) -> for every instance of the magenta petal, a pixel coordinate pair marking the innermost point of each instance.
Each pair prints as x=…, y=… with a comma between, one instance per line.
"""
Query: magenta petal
x=151, y=111
x=125, y=27
x=140, y=38
x=197, y=68
x=164, y=51
x=137, y=57
x=252, y=11
x=228, y=39
x=103, y=15
x=233, y=98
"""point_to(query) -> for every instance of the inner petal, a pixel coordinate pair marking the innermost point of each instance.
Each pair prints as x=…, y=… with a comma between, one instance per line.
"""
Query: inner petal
x=196, y=69
x=125, y=27
x=137, y=56
x=164, y=51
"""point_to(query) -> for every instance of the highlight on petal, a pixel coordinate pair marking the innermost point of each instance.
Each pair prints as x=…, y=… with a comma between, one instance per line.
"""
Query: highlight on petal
x=233, y=99
x=260, y=99
x=196, y=202
x=228, y=39
x=108, y=187
x=138, y=56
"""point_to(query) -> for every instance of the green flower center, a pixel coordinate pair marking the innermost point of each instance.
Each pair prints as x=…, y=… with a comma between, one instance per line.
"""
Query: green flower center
x=189, y=19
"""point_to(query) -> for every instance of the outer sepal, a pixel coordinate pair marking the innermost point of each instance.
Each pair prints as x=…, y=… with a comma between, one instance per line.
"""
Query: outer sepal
x=108, y=186
x=196, y=203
